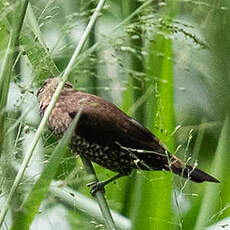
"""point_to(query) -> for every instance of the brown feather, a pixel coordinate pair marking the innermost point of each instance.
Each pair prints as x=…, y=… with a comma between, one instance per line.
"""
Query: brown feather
x=109, y=137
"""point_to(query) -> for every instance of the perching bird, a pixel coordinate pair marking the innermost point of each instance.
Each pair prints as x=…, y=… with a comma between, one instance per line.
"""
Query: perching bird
x=107, y=136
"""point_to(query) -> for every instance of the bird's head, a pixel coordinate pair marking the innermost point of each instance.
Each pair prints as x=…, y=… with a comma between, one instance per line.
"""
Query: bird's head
x=49, y=87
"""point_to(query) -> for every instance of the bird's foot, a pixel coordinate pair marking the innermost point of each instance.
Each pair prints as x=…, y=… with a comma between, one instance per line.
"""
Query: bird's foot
x=96, y=186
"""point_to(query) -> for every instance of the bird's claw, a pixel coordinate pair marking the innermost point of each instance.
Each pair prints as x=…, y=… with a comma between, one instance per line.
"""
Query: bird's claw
x=96, y=186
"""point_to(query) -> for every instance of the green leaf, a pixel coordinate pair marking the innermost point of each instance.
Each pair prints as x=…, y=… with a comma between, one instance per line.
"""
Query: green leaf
x=26, y=214
x=9, y=59
x=153, y=209
x=220, y=168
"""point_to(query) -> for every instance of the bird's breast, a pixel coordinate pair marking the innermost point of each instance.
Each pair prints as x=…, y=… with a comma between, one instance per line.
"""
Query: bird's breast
x=110, y=158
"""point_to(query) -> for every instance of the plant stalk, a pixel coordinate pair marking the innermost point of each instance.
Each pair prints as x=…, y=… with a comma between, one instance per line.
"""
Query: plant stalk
x=99, y=195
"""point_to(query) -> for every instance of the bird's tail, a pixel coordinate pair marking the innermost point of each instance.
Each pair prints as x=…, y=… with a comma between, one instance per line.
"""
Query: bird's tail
x=194, y=174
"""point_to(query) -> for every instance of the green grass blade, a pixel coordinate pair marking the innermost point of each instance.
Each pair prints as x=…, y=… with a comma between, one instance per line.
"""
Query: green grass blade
x=154, y=210
x=9, y=58
x=104, y=207
x=220, y=169
x=30, y=208
x=8, y=61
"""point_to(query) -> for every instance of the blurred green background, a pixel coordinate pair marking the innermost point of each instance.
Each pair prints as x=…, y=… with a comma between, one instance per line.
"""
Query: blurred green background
x=165, y=63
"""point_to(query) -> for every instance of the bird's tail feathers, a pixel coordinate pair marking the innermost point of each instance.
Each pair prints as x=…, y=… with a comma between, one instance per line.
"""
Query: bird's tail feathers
x=178, y=167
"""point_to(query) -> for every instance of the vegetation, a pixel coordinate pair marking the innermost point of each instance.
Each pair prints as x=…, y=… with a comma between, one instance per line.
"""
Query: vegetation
x=166, y=63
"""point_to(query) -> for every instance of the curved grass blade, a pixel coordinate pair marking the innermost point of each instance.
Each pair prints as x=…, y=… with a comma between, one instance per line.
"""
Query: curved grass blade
x=220, y=169
x=28, y=211
x=153, y=203
x=9, y=59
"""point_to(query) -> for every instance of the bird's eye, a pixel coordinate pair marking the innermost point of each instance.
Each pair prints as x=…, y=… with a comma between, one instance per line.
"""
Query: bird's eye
x=42, y=88
x=39, y=91
x=46, y=82
x=68, y=85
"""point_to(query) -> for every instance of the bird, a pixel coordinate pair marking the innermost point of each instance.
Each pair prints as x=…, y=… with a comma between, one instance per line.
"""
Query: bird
x=109, y=137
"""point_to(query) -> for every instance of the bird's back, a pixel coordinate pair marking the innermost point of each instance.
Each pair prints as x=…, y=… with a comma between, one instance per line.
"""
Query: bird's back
x=109, y=137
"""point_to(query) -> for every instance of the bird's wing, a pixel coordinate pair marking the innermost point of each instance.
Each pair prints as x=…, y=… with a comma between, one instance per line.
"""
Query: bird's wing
x=103, y=123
